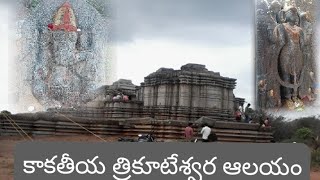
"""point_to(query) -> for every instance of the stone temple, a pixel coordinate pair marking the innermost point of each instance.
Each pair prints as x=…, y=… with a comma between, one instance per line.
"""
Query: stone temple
x=162, y=105
x=185, y=94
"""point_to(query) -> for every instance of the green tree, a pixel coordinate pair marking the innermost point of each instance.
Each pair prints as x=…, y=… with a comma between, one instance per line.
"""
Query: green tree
x=304, y=133
x=5, y=113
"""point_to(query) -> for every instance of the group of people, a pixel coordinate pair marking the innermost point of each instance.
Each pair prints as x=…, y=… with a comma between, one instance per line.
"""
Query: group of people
x=207, y=134
x=266, y=123
x=247, y=118
x=120, y=97
x=247, y=114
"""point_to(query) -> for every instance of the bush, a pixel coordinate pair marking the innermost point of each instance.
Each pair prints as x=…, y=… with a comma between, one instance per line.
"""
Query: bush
x=302, y=130
x=283, y=129
x=304, y=133
x=5, y=112
x=315, y=159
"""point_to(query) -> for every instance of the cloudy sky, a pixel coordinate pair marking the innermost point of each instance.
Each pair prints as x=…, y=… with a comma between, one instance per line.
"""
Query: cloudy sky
x=170, y=33
x=4, y=36
x=154, y=34
x=166, y=33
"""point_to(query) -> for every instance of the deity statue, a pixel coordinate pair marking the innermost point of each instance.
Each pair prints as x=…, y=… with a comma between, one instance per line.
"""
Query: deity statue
x=284, y=49
x=63, y=54
x=290, y=39
x=68, y=71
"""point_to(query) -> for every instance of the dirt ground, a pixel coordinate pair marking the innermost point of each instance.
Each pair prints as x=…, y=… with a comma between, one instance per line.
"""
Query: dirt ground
x=7, y=145
x=315, y=175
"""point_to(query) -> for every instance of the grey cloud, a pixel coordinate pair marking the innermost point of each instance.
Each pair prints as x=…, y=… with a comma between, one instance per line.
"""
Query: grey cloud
x=193, y=21
x=186, y=11
x=182, y=19
x=206, y=34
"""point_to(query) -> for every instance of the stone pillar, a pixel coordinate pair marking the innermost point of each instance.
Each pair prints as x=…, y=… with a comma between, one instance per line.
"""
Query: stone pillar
x=184, y=98
x=161, y=95
x=231, y=99
x=196, y=96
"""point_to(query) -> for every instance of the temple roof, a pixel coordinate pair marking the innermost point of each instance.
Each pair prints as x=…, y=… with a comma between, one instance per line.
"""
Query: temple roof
x=189, y=74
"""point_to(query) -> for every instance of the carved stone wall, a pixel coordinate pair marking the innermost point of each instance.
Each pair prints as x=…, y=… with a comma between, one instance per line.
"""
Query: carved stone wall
x=63, y=55
x=271, y=85
x=191, y=87
x=185, y=94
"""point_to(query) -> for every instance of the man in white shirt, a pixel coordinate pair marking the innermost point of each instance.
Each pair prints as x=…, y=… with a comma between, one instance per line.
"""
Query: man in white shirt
x=205, y=131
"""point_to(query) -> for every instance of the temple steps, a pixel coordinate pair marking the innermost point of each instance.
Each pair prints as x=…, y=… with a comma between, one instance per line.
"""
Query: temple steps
x=166, y=130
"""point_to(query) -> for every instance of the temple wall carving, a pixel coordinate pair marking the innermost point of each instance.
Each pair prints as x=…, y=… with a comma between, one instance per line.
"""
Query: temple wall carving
x=185, y=94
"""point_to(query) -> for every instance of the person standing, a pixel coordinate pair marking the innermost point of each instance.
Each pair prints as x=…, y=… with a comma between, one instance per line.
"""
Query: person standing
x=267, y=122
x=188, y=132
x=205, y=131
x=238, y=115
x=247, y=112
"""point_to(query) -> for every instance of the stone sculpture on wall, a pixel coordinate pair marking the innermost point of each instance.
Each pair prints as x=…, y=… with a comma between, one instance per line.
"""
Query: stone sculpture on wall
x=65, y=57
x=69, y=74
x=284, y=55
